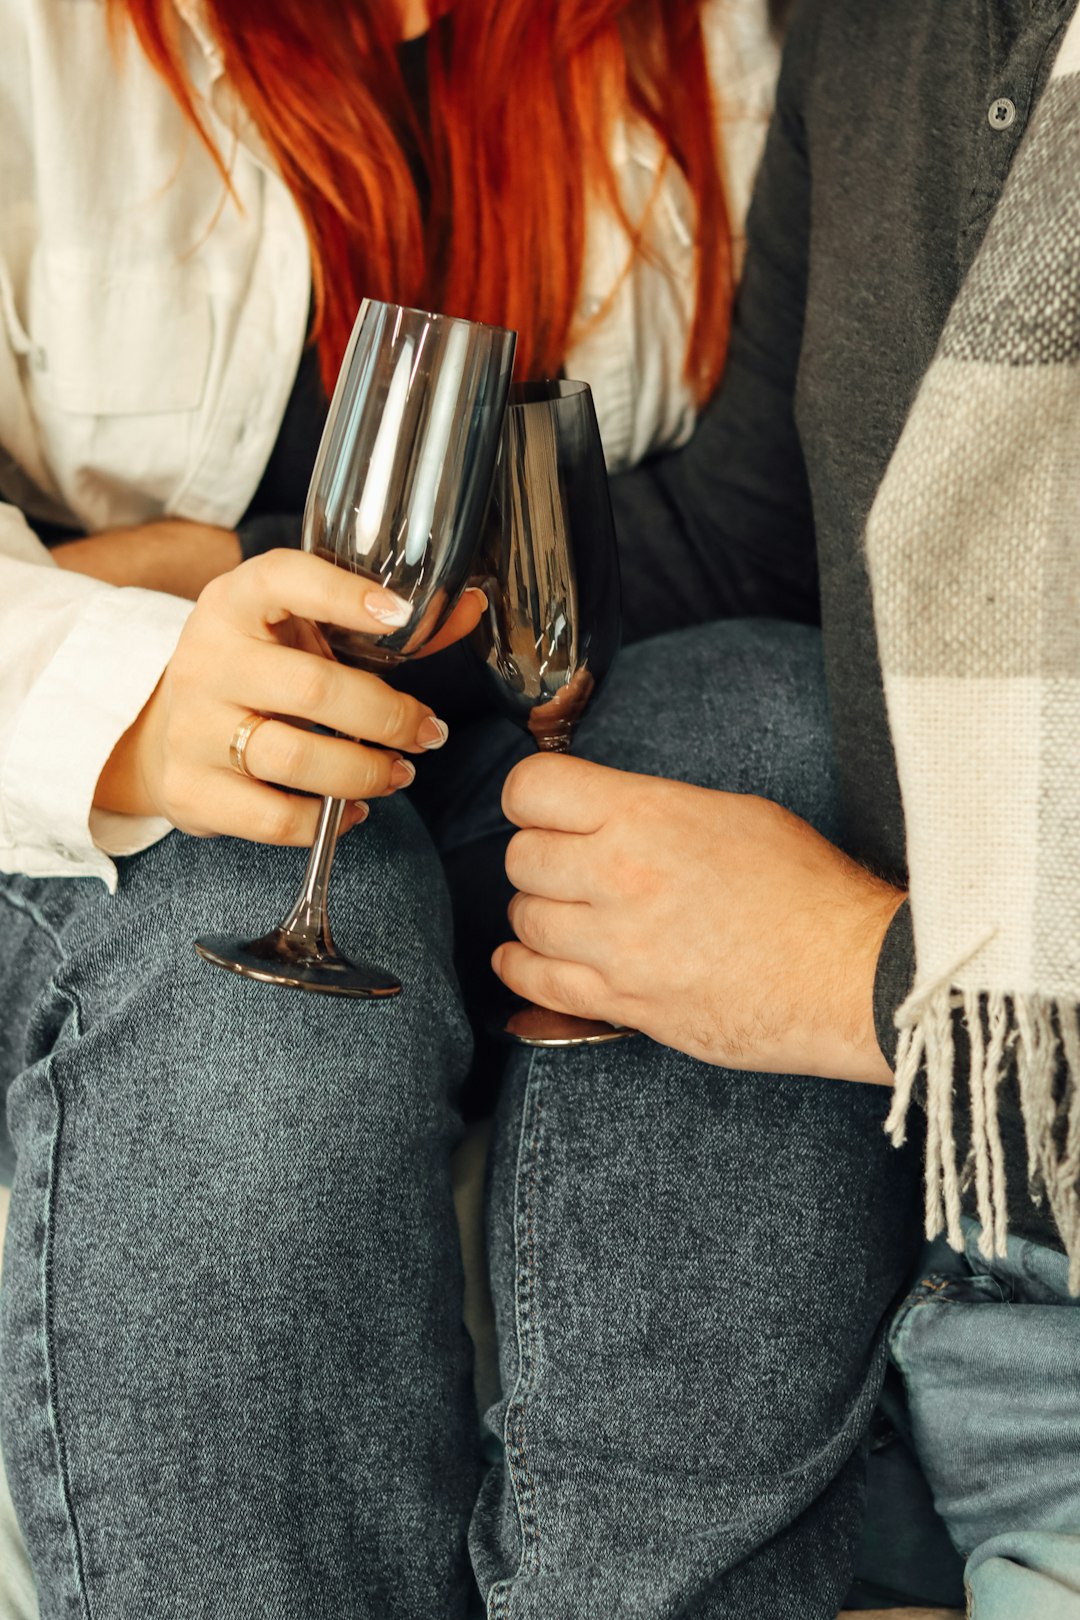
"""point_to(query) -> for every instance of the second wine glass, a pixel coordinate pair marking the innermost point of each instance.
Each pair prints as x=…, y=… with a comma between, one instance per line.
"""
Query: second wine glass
x=552, y=628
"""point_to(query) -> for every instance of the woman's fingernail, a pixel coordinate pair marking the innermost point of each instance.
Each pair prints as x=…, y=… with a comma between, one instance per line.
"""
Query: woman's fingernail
x=403, y=773
x=361, y=811
x=388, y=608
x=432, y=733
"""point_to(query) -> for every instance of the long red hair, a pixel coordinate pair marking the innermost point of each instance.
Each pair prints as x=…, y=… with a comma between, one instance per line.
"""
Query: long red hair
x=524, y=95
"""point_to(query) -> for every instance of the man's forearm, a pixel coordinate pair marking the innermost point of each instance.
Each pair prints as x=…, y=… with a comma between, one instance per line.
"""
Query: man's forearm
x=172, y=556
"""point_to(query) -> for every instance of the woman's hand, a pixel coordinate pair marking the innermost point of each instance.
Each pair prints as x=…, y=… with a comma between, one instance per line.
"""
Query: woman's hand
x=717, y=923
x=250, y=647
x=172, y=555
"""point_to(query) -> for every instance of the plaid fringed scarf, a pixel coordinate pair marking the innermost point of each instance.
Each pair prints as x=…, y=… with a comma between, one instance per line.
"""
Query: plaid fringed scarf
x=974, y=555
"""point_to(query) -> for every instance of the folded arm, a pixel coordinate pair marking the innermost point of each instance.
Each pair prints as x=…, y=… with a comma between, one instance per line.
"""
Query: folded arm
x=170, y=555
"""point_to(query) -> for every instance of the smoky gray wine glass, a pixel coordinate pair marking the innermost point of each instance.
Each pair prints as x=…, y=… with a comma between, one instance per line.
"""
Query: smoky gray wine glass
x=550, y=568
x=398, y=495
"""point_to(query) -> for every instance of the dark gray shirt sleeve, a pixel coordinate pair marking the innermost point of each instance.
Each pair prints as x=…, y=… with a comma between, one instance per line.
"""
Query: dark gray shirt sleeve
x=893, y=980
x=270, y=531
x=723, y=527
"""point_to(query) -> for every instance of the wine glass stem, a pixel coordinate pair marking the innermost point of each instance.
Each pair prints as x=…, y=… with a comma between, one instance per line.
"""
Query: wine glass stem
x=307, y=923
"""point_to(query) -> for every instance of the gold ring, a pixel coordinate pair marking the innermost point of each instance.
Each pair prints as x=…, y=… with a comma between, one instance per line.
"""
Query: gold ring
x=241, y=737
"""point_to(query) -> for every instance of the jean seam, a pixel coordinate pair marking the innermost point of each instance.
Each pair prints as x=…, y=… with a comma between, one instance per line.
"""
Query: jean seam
x=30, y=910
x=525, y=1314
x=37, y=917
x=52, y=1378
x=933, y=1290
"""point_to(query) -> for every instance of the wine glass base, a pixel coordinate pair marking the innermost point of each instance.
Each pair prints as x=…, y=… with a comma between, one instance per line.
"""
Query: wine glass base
x=529, y=1025
x=269, y=960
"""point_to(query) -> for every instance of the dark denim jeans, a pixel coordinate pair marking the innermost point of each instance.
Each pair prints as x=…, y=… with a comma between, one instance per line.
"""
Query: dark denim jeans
x=692, y=1268
x=234, y=1378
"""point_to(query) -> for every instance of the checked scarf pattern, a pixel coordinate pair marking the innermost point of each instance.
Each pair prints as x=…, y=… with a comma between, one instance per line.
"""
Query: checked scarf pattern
x=973, y=547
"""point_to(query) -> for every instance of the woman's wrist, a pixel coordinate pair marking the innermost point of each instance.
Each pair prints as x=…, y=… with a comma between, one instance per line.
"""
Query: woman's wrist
x=122, y=786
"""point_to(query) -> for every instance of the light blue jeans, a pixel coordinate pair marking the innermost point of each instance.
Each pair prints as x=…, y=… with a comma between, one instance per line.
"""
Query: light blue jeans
x=989, y=1351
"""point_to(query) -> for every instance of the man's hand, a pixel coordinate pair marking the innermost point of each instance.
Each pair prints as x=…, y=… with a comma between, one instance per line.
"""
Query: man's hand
x=172, y=555
x=715, y=923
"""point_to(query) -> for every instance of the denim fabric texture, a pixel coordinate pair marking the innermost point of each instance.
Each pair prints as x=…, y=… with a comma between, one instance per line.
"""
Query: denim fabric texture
x=691, y=1267
x=18, y=1600
x=234, y=1377
x=989, y=1351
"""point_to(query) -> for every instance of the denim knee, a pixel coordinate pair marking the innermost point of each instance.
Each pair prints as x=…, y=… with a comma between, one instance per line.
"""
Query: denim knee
x=225, y=1065
x=736, y=705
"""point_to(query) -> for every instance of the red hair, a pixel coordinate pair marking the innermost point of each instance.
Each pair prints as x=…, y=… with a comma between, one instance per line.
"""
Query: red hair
x=524, y=96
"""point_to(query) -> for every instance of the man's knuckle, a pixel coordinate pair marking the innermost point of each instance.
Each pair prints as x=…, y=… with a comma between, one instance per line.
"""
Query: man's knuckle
x=573, y=996
x=530, y=924
x=517, y=789
x=550, y=986
x=512, y=794
x=518, y=858
x=632, y=877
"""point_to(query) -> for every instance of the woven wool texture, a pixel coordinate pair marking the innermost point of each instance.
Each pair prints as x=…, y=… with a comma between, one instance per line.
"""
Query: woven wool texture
x=973, y=547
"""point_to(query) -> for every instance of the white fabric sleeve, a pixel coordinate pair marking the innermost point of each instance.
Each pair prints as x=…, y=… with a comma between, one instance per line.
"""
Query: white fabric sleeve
x=78, y=660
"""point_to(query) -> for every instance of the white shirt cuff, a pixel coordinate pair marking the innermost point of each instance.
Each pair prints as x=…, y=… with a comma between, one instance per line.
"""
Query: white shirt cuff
x=90, y=692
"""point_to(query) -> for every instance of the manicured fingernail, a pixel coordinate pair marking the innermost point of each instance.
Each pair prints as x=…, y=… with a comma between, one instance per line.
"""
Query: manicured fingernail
x=403, y=773
x=432, y=733
x=496, y=960
x=388, y=608
x=361, y=812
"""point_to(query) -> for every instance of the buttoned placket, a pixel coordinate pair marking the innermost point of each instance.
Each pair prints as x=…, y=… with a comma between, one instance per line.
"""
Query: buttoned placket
x=1004, y=117
x=1002, y=114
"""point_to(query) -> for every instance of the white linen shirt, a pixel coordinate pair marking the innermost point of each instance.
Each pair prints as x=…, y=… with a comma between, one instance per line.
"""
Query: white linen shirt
x=150, y=332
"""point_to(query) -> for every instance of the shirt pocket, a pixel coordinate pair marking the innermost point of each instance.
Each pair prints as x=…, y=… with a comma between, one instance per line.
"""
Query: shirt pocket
x=110, y=341
x=118, y=370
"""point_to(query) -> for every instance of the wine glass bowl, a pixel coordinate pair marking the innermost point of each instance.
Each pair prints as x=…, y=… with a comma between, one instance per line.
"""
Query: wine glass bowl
x=550, y=564
x=403, y=474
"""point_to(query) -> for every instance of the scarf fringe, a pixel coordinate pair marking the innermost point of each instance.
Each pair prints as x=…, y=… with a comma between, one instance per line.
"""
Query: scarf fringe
x=1043, y=1038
